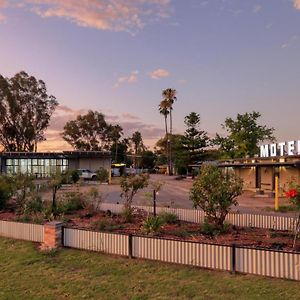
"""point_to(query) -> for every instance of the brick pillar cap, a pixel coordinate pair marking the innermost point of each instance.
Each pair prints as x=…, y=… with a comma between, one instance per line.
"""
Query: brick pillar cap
x=55, y=224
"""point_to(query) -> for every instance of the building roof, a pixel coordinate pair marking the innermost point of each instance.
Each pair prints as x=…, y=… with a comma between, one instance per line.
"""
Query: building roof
x=62, y=154
x=292, y=161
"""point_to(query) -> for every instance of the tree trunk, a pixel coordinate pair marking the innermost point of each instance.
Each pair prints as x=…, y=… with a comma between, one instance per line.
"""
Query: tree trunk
x=54, y=206
x=116, y=154
x=167, y=145
x=170, y=144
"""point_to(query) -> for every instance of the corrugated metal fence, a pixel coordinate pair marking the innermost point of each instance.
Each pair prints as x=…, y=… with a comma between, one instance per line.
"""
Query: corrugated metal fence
x=278, y=264
x=22, y=231
x=271, y=263
x=96, y=241
x=180, y=252
x=268, y=263
x=197, y=216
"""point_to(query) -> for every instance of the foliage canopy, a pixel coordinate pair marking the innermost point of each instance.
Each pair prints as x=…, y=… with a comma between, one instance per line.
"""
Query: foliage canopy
x=243, y=135
x=215, y=191
x=25, y=112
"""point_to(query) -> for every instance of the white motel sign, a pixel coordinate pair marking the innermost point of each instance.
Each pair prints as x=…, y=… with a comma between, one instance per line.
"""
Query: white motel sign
x=280, y=149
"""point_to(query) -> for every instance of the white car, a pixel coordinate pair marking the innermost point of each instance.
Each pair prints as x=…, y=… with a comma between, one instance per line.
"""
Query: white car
x=87, y=174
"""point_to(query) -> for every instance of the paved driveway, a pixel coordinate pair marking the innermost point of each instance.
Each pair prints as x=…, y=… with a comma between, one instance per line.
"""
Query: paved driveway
x=175, y=193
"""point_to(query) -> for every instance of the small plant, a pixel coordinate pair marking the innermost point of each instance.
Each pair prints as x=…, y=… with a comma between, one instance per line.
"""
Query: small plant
x=211, y=229
x=70, y=203
x=35, y=204
x=107, y=225
x=180, y=232
x=102, y=175
x=127, y=215
x=93, y=201
x=75, y=176
x=293, y=194
x=168, y=218
x=152, y=225
x=25, y=218
x=5, y=191
x=130, y=185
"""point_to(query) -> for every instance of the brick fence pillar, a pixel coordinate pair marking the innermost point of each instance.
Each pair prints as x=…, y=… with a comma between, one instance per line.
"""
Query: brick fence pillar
x=52, y=235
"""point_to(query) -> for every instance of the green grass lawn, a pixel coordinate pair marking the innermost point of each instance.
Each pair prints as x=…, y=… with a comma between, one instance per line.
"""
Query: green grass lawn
x=70, y=274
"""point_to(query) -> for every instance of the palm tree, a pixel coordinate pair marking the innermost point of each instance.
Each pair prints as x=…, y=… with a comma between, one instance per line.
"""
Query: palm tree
x=169, y=96
x=138, y=145
x=163, y=108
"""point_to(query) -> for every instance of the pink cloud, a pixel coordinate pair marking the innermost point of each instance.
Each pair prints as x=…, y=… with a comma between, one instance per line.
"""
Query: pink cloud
x=114, y=15
x=131, y=78
x=159, y=73
x=297, y=4
x=3, y=3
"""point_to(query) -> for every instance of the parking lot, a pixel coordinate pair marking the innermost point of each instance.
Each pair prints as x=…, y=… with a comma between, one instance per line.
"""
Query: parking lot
x=175, y=193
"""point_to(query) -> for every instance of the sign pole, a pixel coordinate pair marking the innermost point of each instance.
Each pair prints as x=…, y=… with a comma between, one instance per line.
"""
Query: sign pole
x=276, y=192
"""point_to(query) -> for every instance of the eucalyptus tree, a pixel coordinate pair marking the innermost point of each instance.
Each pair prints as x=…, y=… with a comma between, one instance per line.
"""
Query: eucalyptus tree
x=25, y=112
x=115, y=133
x=89, y=132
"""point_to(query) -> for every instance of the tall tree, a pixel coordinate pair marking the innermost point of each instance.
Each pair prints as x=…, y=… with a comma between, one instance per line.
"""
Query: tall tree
x=179, y=153
x=164, y=109
x=169, y=95
x=243, y=135
x=138, y=145
x=115, y=133
x=88, y=132
x=25, y=112
x=195, y=140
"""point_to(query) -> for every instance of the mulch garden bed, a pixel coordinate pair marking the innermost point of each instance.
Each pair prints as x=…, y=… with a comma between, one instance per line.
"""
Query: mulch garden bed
x=186, y=231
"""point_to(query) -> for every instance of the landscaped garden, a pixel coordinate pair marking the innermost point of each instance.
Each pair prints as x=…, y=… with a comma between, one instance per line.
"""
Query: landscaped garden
x=214, y=192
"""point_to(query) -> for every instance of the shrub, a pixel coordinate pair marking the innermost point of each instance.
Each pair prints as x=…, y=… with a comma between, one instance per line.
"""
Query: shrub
x=75, y=176
x=35, y=204
x=130, y=185
x=215, y=191
x=93, y=200
x=5, y=192
x=127, y=214
x=70, y=203
x=168, y=218
x=180, y=232
x=102, y=175
x=293, y=194
x=107, y=225
x=213, y=230
x=152, y=225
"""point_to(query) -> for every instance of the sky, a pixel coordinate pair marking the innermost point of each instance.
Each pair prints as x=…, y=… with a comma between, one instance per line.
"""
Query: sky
x=116, y=56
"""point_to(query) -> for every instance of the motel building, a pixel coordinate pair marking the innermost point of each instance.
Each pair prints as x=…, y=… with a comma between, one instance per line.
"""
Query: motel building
x=45, y=164
x=281, y=160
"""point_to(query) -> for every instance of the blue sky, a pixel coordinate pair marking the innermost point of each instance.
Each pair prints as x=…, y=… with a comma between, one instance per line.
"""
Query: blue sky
x=222, y=56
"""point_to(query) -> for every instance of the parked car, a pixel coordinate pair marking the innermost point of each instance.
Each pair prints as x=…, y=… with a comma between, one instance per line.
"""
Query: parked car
x=87, y=174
